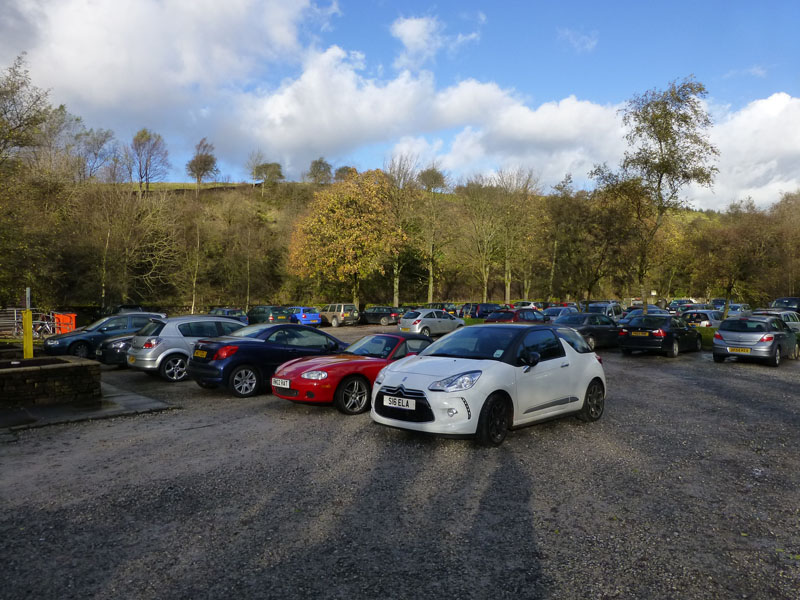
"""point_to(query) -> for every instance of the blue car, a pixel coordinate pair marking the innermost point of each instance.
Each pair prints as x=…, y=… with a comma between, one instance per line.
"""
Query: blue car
x=244, y=361
x=304, y=315
x=84, y=341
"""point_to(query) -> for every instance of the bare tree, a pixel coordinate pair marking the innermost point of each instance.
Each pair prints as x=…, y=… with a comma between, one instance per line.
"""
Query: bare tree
x=96, y=149
x=150, y=158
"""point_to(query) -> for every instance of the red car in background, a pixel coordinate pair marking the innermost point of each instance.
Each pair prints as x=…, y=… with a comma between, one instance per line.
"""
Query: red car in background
x=344, y=380
x=520, y=315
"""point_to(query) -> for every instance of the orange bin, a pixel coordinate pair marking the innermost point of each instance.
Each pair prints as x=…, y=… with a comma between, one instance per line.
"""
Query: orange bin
x=65, y=322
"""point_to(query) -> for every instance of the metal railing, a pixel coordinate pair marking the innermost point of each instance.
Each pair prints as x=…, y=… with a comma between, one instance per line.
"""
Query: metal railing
x=44, y=323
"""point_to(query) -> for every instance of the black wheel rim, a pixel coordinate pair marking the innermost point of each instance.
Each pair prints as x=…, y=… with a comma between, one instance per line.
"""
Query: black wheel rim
x=595, y=400
x=498, y=422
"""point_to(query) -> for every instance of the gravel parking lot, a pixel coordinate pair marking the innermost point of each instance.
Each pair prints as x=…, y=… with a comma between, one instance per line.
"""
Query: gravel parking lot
x=688, y=487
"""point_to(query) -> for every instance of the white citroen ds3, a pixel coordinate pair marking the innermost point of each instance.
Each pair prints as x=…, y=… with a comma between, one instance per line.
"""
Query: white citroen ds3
x=483, y=380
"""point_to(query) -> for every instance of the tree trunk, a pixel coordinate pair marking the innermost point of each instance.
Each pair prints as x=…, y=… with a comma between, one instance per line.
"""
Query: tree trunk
x=507, y=279
x=552, y=270
x=196, y=268
x=430, y=270
x=103, y=272
x=247, y=297
x=396, y=281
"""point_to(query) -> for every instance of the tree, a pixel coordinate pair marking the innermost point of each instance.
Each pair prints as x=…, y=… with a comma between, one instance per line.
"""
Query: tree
x=203, y=163
x=23, y=108
x=433, y=184
x=96, y=150
x=344, y=236
x=668, y=150
x=268, y=174
x=402, y=199
x=343, y=173
x=149, y=158
x=477, y=201
x=733, y=252
x=254, y=159
x=319, y=172
x=516, y=186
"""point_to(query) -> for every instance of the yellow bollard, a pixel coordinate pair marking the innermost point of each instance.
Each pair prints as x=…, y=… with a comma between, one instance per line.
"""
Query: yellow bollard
x=27, y=334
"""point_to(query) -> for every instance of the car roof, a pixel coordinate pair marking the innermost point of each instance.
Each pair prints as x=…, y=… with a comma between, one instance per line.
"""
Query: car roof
x=186, y=318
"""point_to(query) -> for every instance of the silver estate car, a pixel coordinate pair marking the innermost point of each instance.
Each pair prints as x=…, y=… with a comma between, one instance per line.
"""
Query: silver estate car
x=429, y=322
x=163, y=346
x=764, y=337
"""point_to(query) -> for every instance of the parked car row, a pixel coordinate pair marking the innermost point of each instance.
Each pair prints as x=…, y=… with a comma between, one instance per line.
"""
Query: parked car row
x=481, y=381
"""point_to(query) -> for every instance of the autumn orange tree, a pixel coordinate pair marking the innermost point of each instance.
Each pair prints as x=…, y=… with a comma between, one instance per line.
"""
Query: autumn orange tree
x=345, y=237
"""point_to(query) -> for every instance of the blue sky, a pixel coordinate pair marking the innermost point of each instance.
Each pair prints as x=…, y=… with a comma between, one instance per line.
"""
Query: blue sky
x=470, y=86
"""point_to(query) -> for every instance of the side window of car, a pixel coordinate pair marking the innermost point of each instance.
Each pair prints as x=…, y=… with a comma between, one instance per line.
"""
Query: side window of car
x=139, y=322
x=279, y=337
x=307, y=339
x=116, y=323
x=416, y=345
x=401, y=351
x=778, y=325
x=544, y=342
x=198, y=329
x=228, y=327
x=678, y=323
x=606, y=321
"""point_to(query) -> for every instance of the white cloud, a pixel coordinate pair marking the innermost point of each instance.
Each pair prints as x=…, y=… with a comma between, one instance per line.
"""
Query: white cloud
x=581, y=42
x=193, y=69
x=421, y=38
x=424, y=37
x=754, y=71
x=759, y=149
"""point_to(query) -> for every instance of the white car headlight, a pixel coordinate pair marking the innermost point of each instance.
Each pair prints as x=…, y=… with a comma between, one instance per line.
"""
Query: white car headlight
x=381, y=375
x=314, y=375
x=119, y=344
x=456, y=383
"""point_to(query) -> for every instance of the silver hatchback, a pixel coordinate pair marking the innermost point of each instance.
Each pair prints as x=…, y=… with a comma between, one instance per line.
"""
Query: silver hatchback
x=429, y=322
x=163, y=346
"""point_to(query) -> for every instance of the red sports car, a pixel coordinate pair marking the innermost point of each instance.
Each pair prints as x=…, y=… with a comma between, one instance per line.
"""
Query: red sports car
x=344, y=379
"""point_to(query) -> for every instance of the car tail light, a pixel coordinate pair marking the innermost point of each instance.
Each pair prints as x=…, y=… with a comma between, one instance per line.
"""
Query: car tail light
x=417, y=322
x=717, y=335
x=659, y=333
x=225, y=352
x=600, y=360
x=271, y=318
x=623, y=332
x=303, y=316
x=151, y=343
x=394, y=315
x=767, y=337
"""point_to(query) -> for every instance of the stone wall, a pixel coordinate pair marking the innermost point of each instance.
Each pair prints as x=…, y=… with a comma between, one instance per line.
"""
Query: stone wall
x=57, y=380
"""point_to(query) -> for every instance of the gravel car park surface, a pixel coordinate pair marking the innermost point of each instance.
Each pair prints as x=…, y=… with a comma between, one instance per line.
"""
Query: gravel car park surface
x=688, y=487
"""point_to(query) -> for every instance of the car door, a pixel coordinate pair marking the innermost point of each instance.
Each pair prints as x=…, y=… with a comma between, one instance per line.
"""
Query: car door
x=304, y=342
x=782, y=334
x=114, y=326
x=544, y=388
x=684, y=334
x=606, y=329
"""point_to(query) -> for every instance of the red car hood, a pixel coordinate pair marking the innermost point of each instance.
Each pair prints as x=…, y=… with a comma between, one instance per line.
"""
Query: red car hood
x=294, y=368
